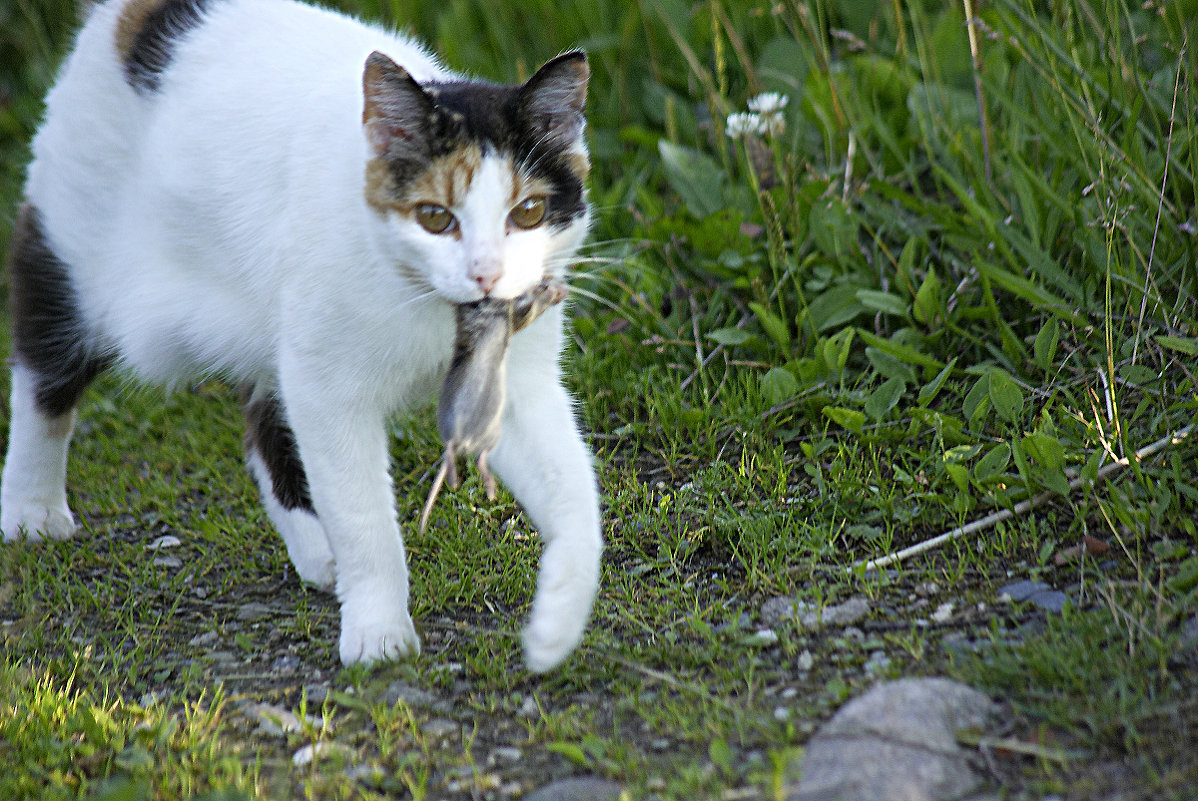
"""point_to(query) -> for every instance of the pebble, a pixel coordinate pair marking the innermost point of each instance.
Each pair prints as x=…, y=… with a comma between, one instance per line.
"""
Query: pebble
x=412, y=696
x=204, y=639
x=504, y=755
x=944, y=612
x=439, y=728
x=579, y=788
x=1034, y=592
x=166, y=541
x=776, y=610
x=764, y=637
x=806, y=661
x=529, y=708
x=170, y=562
x=312, y=752
x=253, y=611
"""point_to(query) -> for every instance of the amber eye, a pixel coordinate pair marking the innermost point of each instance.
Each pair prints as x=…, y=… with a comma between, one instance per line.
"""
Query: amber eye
x=435, y=219
x=528, y=213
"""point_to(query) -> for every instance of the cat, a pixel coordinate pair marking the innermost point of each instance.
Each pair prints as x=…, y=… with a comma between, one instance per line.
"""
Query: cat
x=295, y=201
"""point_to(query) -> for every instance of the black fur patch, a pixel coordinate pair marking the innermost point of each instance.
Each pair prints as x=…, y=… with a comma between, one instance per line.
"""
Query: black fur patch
x=49, y=334
x=153, y=47
x=268, y=433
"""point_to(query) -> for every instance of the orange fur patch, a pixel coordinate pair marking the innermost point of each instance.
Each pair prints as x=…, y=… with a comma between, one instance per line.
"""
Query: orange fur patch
x=133, y=19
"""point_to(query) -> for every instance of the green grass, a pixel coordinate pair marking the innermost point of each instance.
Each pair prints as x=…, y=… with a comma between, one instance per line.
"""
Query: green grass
x=796, y=352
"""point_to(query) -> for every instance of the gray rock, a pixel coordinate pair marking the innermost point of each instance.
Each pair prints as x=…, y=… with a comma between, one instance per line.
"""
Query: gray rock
x=1035, y=592
x=896, y=743
x=776, y=610
x=414, y=697
x=253, y=611
x=580, y=788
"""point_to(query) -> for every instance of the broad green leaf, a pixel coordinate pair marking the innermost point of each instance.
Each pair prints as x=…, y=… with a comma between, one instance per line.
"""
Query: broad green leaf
x=977, y=397
x=834, y=307
x=1006, y=395
x=773, y=325
x=927, y=299
x=1045, y=348
x=571, y=751
x=884, y=398
x=882, y=301
x=845, y=418
x=695, y=176
x=931, y=389
x=1186, y=345
x=959, y=473
x=778, y=385
x=993, y=463
x=729, y=336
x=1046, y=450
x=961, y=453
x=888, y=366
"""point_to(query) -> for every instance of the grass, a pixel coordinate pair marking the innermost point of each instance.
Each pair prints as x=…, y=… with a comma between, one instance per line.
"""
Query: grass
x=962, y=275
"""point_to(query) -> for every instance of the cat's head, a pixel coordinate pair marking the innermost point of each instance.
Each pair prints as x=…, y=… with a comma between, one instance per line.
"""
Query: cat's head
x=478, y=189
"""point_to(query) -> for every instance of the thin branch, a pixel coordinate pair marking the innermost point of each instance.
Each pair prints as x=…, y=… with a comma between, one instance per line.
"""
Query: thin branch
x=1022, y=507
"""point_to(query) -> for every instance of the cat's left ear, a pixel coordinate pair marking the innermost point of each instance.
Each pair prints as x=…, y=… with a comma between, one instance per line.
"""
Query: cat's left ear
x=555, y=98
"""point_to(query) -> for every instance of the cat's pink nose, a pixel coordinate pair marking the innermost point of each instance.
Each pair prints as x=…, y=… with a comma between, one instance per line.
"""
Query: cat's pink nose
x=486, y=274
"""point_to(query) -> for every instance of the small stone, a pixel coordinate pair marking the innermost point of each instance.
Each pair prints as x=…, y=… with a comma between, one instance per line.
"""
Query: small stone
x=845, y=613
x=287, y=663
x=316, y=693
x=167, y=541
x=764, y=637
x=253, y=611
x=277, y=721
x=927, y=588
x=781, y=714
x=504, y=755
x=806, y=661
x=204, y=639
x=944, y=612
x=579, y=788
x=660, y=744
x=440, y=728
x=314, y=751
x=878, y=662
x=529, y=708
x=414, y=697
x=169, y=562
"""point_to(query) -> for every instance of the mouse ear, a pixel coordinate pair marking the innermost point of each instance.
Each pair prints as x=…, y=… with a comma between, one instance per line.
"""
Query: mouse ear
x=553, y=100
x=396, y=111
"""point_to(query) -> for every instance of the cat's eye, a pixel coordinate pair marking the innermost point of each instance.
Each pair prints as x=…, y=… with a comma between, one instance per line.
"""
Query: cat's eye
x=435, y=219
x=528, y=213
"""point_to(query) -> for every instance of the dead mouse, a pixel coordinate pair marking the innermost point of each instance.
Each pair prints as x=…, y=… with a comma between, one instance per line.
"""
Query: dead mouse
x=471, y=404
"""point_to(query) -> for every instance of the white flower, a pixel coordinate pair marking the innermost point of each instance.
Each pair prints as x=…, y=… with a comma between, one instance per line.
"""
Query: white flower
x=768, y=103
x=743, y=124
x=768, y=107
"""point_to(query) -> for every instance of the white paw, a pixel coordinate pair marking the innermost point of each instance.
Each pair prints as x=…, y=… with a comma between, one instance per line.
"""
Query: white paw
x=320, y=573
x=550, y=638
x=374, y=639
x=36, y=521
x=565, y=591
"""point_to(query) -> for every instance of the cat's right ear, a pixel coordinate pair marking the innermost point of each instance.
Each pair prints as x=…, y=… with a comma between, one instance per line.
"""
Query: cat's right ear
x=396, y=110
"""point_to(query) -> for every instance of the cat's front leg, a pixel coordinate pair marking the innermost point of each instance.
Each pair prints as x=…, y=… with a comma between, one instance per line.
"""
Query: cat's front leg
x=542, y=459
x=343, y=447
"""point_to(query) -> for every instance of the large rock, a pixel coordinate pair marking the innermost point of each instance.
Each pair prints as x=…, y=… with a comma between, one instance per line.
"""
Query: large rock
x=898, y=742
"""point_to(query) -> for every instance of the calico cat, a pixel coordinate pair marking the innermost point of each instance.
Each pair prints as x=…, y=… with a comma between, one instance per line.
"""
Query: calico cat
x=296, y=201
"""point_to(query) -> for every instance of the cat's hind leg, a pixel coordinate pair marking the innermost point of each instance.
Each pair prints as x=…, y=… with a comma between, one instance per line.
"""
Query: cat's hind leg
x=275, y=464
x=54, y=359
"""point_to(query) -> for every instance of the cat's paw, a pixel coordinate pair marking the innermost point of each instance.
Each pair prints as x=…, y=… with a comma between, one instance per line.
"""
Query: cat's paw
x=549, y=639
x=308, y=548
x=36, y=520
x=373, y=640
